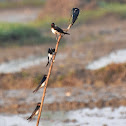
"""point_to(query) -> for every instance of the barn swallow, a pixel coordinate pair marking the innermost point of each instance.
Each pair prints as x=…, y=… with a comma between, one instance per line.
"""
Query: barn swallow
x=75, y=13
x=51, y=52
x=41, y=84
x=35, y=112
x=57, y=31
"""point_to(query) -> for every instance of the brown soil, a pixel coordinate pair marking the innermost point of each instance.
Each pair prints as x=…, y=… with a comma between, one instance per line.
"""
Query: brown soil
x=114, y=74
x=70, y=98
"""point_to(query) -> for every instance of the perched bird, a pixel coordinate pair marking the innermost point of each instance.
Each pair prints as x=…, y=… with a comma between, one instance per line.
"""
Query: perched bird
x=51, y=52
x=41, y=84
x=35, y=112
x=75, y=13
x=57, y=31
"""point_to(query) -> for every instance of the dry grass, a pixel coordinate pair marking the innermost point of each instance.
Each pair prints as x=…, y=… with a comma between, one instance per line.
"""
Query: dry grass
x=112, y=74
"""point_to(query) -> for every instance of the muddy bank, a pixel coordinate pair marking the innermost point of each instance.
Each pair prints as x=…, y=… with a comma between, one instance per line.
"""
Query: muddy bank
x=113, y=74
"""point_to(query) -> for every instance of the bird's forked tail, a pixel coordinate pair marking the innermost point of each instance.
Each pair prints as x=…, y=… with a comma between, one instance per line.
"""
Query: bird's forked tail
x=47, y=64
x=29, y=118
x=66, y=33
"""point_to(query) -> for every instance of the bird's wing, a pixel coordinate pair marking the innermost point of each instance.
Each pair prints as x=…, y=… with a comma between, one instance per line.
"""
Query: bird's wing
x=47, y=63
x=36, y=109
x=48, y=60
x=48, y=57
x=59, y=29
x=37, y=88
x=44, y=78
x=33, y=113
x=53, y=50
x=49, y=50
x=75, y=14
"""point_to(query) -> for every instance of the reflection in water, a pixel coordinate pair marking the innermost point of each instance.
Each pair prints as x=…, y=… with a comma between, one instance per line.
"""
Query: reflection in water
x=114, y=57
x=90, y=117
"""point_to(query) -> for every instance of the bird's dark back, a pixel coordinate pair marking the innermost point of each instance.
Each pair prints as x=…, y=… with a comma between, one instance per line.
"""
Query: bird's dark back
x=43, y=79
x=75, y=13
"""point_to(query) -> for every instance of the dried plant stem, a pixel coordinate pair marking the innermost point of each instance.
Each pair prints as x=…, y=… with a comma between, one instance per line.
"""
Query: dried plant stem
x=50, y=69
x=69, y=27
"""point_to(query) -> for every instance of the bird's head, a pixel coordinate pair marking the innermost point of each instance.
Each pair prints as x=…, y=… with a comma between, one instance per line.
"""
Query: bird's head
x=52, y=25
x=49, y=50
x=53, y=49
x=39, y=103
x=45, y=75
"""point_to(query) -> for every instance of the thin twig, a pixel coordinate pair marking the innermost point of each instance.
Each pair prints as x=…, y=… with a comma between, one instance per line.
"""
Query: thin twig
x=70, y=25
x=50, y=69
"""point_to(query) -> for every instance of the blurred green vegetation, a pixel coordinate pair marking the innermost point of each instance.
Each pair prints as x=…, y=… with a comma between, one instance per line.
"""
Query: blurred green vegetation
x=21, y=34
x=104, y=9
x=21, y=3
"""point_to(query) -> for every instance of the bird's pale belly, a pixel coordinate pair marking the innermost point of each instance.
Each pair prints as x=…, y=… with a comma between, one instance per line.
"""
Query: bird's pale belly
x=43, y=84
x=36, y=112
x=54, y=31
x=50, y=56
